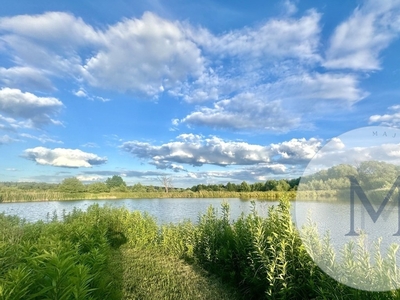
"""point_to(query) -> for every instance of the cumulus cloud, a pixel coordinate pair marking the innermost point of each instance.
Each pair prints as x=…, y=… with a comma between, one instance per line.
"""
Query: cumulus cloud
x=267, y=71
x=358, y=41
x=34, y=111
x=269, y=67
x=244, y=112
x=390, y=119
x=196, y=150
x=296, y=151
x=62, y=157
x=146, y=55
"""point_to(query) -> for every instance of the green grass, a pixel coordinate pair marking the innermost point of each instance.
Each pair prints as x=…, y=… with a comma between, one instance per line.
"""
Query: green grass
x=112, y=253
x=148, y=274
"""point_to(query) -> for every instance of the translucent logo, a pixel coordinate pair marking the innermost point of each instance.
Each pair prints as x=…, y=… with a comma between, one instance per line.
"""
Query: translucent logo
x=347, y=208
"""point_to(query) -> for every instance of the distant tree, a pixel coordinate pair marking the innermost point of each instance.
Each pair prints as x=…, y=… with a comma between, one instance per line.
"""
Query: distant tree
x=115, y=182
x=282, y=186
x=257, y=186
x=71, y=185
x=138, y=187
x=377, y=174
x=166, y=182
x=294, y=183
x=244, y=187
x=98, y=187
x=150, y=188
x=231, y=187
x=270, y=185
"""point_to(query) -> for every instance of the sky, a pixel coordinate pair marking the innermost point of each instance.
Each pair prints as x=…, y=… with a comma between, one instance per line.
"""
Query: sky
x=203, y=91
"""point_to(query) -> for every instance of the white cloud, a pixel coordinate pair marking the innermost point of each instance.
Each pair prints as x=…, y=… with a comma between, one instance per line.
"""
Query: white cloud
x=392, y=119
x=276, y=38
x=90, y=145
x=61, y=28
x=315, y=86
x=290, y=7
x=258, y=172
x=61, y=157
x=90, y=178
x=5, y=139
x=358, y=41
x=127, y=173
x=296, y=151
x=81, y=93
x=26, y=77
x=42, y=138
x=196, y=150
x=33, y=110
x=146, y=55
x=271, y=66
x=244, y=112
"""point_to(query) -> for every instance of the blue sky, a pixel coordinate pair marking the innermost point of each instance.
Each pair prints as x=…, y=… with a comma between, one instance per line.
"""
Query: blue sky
x=206, y=92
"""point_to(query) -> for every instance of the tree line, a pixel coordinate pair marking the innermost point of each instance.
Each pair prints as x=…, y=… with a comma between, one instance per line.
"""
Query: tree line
x=372, y=174
x=117, y=184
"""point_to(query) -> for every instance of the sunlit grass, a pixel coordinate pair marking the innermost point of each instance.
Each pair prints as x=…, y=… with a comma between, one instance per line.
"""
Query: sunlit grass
x=112, y=253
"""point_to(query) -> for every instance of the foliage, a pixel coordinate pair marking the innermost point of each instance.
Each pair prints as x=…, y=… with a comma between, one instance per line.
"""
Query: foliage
x=98, y=187
x=115, y=182
x=109, y=253
x=71, y=185
x=373, y=175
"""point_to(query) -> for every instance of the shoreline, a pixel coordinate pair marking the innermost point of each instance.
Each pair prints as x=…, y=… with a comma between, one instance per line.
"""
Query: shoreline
x=38, y=196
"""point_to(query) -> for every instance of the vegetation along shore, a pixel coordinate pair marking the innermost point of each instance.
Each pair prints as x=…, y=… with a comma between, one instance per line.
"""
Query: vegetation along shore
x=112, y=253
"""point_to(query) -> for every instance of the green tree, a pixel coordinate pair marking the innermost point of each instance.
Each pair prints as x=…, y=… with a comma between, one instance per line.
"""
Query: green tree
x=138, y=188
x=98, y=187
x=231, y=187
x=377, y=174
x=270, y=185
x=115, y=182
x=257, y=186
x=72, y=185
x=244, y=187
x=282, y=186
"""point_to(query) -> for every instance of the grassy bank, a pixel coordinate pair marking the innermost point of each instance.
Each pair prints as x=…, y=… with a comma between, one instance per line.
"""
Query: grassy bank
x=30, y=196
x=110, y=253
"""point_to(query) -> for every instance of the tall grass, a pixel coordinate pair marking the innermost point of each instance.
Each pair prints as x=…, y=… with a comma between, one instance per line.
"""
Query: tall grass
x=111, y=253
x=13, y=195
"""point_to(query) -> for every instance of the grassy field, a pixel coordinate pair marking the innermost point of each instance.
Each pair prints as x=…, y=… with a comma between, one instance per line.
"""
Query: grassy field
x=112, y=253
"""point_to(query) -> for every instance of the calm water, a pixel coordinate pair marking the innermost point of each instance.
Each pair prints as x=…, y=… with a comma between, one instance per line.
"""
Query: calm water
x=329, y=216
x=164, y=210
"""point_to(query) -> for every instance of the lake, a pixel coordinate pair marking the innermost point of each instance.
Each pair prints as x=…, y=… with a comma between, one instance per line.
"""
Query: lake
x=164, y=210
x=329, y=216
